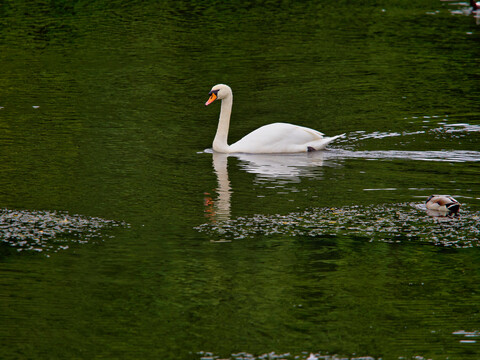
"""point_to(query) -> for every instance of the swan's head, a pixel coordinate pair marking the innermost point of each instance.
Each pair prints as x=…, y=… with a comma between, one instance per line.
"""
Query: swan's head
x=218, y=92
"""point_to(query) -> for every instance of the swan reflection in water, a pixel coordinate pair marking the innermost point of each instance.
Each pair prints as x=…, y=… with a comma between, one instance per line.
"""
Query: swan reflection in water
x=285, y=167
x=219, y=209
x=290, y=167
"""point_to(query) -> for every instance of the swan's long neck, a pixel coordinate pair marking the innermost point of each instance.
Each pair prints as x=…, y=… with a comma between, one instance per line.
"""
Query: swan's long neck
x=220, y=142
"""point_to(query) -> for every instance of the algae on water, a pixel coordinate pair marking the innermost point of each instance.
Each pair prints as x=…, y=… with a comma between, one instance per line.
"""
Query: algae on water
x=389, y=223
x=46, y=231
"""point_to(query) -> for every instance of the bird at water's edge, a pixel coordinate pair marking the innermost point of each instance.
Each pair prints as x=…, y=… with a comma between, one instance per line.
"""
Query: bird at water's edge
x=272, y=138
x=443, y=203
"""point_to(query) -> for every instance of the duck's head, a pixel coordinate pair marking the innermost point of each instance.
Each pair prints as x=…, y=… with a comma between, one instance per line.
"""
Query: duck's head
x=218, y=92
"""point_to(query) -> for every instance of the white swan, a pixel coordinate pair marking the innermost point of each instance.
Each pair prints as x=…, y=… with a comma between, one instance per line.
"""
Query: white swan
x=272, y=138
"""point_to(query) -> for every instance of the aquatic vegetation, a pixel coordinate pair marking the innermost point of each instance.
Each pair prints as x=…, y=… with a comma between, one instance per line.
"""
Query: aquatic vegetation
x=304, y=355
x=45, y=231
x=388, y=223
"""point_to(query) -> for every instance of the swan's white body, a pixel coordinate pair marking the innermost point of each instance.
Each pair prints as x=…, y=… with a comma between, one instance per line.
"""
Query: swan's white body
x=272, y=138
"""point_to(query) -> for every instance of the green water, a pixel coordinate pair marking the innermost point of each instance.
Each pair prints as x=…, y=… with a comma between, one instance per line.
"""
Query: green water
x=102, y=114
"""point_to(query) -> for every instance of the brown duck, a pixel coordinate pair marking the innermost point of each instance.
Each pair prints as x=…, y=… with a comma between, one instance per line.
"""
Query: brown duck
x=443, y=203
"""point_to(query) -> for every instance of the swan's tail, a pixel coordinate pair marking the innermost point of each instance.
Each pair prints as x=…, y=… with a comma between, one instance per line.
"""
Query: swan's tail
x=322, y=143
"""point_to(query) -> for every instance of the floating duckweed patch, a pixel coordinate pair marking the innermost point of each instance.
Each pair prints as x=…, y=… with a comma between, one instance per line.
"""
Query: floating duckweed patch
x=203, y=355
x=45, y=231
x=390, y=223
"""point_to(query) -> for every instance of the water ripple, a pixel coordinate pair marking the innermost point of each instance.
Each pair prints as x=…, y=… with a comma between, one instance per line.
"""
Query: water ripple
x=441, y=155
x=426, y=125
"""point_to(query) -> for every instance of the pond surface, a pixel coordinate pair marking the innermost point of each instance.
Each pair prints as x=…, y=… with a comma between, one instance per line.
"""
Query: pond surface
x=138, y=242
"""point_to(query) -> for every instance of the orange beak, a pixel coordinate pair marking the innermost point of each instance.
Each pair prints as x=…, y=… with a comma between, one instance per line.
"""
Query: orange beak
x=211, y=99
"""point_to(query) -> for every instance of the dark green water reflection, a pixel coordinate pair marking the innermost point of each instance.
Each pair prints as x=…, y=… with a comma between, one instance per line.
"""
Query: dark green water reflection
x=102, y=115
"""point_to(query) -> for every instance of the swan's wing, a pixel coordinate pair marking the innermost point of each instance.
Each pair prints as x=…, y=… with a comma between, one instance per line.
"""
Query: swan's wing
x=277, y=138
x=312, y=132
